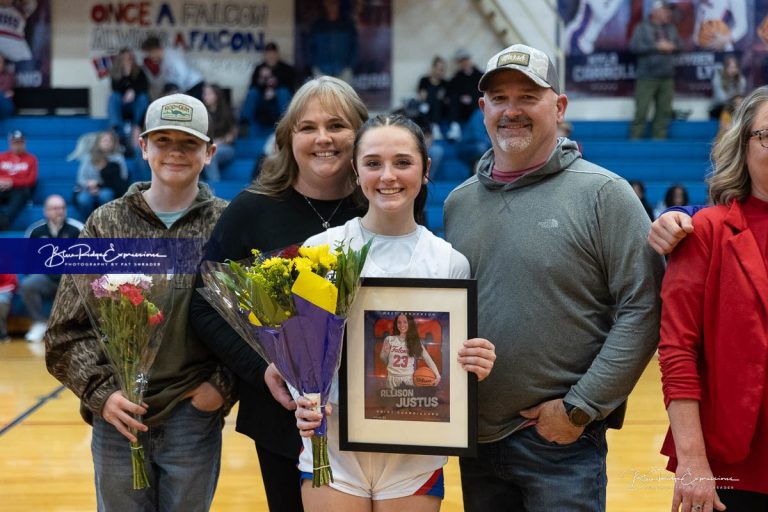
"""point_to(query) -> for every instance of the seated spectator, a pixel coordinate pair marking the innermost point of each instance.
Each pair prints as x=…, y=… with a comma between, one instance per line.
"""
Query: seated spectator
x=8, y=284
x=676, y=195
x=727, y=81
x=463, y=93
x=18, y=177
x=565, y=129
x=223, y=130
x=727, y=114
x=433, y=95
x=129, y=98
x=7, y=84
x=35, y=288
x=639, y=188
x=169, y=68
x=102, y=175
x=272, y=85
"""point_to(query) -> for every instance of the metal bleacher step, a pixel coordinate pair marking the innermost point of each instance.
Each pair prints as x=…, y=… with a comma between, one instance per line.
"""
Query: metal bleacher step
x=228, y=189
x=52, y=126
x=49, y=185
x=646, y=150
x=619, y=130
x=657, y=170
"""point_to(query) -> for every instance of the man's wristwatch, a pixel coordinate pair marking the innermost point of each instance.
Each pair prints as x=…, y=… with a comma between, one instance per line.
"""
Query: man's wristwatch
x=577, y=417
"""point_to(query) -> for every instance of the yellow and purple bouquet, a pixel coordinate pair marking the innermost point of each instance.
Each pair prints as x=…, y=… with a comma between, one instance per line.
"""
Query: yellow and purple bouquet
x=291, y=307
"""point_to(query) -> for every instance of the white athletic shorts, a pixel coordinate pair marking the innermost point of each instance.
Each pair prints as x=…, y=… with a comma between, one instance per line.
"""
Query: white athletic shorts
x=379, y=476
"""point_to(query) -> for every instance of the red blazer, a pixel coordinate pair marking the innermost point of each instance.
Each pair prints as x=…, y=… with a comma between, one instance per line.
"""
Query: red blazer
x=714, y=331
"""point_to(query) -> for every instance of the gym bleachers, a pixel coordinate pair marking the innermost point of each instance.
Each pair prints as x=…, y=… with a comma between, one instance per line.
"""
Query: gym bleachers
x=51, y=138
x=683, y=159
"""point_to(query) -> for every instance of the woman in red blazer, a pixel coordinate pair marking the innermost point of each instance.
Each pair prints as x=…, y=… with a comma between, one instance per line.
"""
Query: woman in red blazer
x=714, y=331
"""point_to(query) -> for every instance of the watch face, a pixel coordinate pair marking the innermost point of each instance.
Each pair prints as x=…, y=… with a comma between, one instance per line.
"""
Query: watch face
x=578, y=417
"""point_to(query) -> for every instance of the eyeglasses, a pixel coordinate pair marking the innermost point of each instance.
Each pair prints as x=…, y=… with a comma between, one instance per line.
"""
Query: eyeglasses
x=763, y=135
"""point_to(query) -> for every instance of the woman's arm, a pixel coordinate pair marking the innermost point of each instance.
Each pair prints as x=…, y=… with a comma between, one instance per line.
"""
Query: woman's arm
x=694, y=482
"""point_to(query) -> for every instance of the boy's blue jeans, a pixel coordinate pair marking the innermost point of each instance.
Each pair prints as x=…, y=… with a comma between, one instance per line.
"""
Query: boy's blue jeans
x=182, y=459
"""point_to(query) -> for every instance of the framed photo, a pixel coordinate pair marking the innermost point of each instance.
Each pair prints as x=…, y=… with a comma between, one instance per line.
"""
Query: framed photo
x=401, y=388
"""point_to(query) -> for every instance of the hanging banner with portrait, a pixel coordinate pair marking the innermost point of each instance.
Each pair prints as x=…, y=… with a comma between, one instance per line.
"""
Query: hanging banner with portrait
x=349, y=39
x=25, y=41
x=596, y=41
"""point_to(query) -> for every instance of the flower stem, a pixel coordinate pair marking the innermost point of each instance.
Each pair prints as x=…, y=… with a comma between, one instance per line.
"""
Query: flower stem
x=140, y=480
x=321, y=470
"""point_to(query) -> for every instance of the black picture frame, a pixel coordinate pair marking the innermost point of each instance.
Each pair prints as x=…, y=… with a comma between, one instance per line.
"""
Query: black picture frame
x=415, y=417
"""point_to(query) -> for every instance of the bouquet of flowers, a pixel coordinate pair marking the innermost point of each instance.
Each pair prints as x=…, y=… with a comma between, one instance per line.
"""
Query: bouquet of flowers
x=291, y=308
x=128, y=313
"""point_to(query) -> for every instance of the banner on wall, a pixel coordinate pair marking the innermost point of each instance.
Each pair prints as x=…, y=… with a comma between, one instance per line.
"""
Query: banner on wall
x=222, y=39
x=225, y=39
x=348, y=39
x=596, y=39
x=25, y=41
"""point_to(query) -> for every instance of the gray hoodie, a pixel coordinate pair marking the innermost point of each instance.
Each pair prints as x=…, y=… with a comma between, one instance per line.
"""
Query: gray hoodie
x=568, y=289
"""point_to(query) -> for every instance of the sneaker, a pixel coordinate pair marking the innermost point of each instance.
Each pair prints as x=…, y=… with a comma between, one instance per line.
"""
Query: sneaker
x=36, y=332
x=454, y=132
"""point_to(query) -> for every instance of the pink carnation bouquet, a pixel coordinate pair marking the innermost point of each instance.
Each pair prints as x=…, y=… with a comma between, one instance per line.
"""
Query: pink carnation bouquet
x=128, y=311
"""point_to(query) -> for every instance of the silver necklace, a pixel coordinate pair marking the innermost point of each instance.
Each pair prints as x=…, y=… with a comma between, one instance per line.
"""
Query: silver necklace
x=326, y=222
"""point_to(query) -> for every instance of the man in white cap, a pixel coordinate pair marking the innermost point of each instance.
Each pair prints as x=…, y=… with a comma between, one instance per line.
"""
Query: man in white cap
x=189, y=391
x=567, y=291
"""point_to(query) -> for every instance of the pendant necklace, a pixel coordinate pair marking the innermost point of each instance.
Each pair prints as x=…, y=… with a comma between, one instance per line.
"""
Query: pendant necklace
x=325, y=222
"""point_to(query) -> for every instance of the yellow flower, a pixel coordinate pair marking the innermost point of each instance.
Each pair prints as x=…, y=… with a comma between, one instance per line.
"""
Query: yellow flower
x=271, y=262
x=315, y=253
x=302, y=263
x=328, y=260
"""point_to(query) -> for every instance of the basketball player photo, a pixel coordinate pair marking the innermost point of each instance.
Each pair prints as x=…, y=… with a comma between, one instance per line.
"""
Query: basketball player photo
x=407, y=380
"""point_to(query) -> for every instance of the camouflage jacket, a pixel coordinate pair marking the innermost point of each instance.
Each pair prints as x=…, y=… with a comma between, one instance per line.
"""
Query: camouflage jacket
x=73, y=353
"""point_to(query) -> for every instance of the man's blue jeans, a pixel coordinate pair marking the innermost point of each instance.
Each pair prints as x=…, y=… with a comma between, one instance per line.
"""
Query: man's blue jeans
x=525, y=472
x=182, y=459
